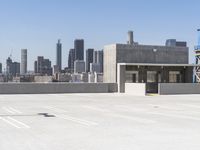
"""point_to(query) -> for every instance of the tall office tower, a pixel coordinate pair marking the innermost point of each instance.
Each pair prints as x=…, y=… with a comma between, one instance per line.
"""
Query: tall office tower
x=35, y=66
x=79, y=49
x=95, y=57
x=12, y=68
x=39, y=65
x=0, y=67
x=89, y=58
x=16, y=68
x=43, y=66
x=59, y=55
x=98, y=59
x=71, y=59
x=23, y=67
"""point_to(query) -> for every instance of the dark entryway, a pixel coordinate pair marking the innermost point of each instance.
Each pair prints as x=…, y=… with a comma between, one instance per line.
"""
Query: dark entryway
x=152, y=87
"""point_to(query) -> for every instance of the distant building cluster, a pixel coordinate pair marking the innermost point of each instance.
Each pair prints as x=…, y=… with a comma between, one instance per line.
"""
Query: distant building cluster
x=80, y=69
x=123, y=63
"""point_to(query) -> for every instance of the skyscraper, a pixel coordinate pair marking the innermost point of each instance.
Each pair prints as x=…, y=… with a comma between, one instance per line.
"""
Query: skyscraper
x=0, y=67
x=98, y=59
x=79, y=49
x=59, y=55
x=23, y=67
x=89, y=58
x=16, y=68
x=95, y=57
x=71, y=59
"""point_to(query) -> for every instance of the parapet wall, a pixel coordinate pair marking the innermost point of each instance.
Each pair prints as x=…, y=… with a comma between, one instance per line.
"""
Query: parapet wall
x=178, y=88
x=136, y=89
x=50, y=88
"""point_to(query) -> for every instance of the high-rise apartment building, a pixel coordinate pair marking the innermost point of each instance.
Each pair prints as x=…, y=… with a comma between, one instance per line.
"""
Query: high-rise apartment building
x=79, y=49
x=42, y=66
x=89, y=58
x=23, y=67
x=59, y=55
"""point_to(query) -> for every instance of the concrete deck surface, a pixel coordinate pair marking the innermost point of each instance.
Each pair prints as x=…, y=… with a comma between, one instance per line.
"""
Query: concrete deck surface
x=99, y=122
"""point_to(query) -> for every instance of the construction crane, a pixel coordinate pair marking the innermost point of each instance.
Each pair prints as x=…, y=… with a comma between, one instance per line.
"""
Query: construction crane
x=197, y=56
x=11, y=54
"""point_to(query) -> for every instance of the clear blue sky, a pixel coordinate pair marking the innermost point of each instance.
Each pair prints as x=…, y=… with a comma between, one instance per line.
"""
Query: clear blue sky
x=37, y=24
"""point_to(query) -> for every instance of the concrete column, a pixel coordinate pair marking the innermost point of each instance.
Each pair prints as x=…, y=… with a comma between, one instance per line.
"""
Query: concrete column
x=142, y=75
x=164, y=75
x=121, y=78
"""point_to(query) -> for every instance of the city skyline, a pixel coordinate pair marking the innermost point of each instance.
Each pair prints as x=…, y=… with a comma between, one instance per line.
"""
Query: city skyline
x=99, y=23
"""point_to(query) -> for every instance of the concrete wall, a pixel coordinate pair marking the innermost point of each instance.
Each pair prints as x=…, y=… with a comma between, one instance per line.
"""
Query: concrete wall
x=137, y=89
x=44, y=88
x=109, y=64
x=124, y=53
x=178, y=88
x=151, y=54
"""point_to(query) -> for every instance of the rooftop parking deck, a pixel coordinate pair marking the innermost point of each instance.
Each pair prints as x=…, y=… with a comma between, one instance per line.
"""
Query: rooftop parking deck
x=99, y=122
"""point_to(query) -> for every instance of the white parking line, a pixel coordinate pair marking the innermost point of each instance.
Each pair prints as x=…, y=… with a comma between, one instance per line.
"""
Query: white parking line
x=9, y=122
x=19, y=122
x=77, y=120
x=8, y=110
x=15, y=123
x=15, y=110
